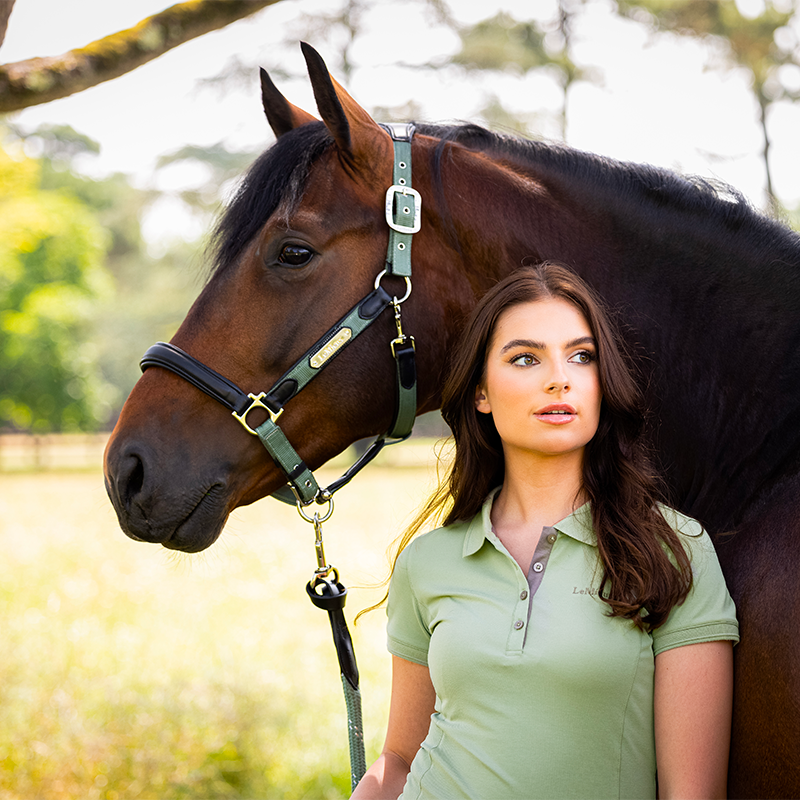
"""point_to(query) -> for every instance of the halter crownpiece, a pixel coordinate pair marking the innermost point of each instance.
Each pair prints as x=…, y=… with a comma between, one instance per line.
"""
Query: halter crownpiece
x=403, y=216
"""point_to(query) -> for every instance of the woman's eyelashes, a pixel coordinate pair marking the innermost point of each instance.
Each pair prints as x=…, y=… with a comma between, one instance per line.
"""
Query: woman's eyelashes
x=582, y=357
x=524, y=360
x=528, y=359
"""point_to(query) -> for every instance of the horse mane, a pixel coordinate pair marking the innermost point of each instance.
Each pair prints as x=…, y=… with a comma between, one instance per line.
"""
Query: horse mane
x=641, y=191
x=278, y=174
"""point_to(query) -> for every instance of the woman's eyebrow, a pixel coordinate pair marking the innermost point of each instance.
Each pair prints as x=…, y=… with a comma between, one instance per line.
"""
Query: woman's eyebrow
x=580, y=340
x=531, y=343
x=534, y=345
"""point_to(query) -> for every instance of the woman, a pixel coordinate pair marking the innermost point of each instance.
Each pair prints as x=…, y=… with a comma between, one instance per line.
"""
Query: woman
x=562, y=635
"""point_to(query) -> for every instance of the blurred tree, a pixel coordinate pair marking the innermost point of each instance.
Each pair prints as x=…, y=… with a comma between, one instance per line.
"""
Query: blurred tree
x=40, y=80
x=505, y=44
x=765, y=45
x=334, y=31
x=343, y=25
x=51, y=271
x=116, y=204
x=221, y=167
x=145, y=297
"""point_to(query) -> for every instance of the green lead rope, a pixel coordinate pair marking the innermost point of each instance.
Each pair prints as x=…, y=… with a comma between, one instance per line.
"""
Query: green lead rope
x=326, y=592
x=355, y=732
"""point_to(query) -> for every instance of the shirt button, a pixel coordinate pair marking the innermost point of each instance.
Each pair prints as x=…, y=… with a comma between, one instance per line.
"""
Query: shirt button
x=551, y=538
x=518, y=624
x=523, y=595
x=537, y=567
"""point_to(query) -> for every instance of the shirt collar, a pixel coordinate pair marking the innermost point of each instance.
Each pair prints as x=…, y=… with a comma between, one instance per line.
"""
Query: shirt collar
x=578, y=525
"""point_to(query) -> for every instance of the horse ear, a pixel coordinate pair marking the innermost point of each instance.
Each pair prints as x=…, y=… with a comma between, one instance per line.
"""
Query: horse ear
x=357, y=135
x=281, y=114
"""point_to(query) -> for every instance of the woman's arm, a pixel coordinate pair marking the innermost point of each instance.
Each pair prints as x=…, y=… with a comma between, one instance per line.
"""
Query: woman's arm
x=693, y=702
x=412, y=704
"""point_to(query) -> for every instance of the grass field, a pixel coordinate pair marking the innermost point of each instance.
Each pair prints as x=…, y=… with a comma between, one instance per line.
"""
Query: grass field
x=131, y=672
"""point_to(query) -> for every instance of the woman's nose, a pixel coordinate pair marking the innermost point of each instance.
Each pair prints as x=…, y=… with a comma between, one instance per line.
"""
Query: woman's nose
x=557, y=380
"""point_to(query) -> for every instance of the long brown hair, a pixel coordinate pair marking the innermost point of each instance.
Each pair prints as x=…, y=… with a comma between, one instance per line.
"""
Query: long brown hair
x=640, y=580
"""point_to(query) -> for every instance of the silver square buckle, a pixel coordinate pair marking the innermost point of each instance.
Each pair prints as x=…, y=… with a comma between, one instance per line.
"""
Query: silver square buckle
x=412, y=194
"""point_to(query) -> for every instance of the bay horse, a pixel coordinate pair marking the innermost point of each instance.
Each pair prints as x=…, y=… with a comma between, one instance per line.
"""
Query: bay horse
x=709, y=289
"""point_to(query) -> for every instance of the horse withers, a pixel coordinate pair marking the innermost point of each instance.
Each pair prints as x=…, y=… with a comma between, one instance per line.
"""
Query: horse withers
x=709, y=288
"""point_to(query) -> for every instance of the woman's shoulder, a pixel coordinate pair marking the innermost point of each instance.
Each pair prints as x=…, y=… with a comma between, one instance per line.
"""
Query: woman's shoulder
x=437, y=544
x=680, y=523
x=694, y=538
x=708, y=613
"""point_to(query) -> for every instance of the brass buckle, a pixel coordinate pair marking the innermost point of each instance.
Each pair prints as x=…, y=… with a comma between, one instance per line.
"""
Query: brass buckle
x=257, y=403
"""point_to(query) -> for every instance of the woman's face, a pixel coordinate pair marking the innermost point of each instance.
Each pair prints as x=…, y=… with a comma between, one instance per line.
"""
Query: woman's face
x=541, y=382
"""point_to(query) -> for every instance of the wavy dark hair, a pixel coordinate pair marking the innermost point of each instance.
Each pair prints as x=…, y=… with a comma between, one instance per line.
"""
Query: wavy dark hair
x=646, y=570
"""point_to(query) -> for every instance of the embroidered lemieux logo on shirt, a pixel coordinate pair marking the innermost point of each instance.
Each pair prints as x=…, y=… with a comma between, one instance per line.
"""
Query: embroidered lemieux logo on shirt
x=587, y=590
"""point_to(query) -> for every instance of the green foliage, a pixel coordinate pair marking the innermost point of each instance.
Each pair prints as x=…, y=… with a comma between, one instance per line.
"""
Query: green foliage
x=505, y=44
x=221, y=166
x=80, y=297
x=751, y=41
x=502, y=43
x=115, y=203
x=51, y=273
x=60, y=143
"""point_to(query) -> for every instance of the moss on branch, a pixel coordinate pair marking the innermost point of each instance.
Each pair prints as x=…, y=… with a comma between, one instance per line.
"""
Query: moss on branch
x=40, y=80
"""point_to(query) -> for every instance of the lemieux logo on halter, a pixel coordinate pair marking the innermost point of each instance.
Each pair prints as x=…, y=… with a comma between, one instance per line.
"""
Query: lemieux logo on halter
x=330, y=348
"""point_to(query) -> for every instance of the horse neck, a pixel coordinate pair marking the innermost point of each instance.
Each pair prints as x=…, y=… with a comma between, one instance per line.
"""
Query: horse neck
x=504, y=213
x=699, y=296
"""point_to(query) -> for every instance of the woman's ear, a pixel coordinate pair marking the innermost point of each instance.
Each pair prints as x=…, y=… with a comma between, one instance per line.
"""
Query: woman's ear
x=481, y=401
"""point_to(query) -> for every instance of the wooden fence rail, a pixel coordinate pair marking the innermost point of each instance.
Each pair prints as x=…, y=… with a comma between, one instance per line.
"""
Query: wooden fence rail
x=53, y=451
x=84, y=451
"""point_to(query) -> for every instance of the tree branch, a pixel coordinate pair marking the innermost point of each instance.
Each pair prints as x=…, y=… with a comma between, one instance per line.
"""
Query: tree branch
x=5, y=13
x=40, y=80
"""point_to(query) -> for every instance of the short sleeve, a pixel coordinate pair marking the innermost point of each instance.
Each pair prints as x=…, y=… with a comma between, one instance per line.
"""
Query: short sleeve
x=408, y=635
x=708, y=613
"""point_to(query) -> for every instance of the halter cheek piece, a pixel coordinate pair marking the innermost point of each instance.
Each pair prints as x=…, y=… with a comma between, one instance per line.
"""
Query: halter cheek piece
x=403, y=215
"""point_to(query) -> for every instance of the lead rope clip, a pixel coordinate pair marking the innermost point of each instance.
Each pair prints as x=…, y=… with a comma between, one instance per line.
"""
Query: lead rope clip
x=398, y=322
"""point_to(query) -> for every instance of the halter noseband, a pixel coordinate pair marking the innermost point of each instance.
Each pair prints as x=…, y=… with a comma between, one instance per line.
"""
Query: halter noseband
x=403, y=215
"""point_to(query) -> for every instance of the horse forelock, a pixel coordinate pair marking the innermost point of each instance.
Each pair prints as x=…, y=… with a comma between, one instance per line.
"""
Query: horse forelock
x=279, y=174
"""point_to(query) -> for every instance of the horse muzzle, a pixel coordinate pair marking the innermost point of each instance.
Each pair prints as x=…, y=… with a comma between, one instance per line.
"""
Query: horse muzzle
x=171, y=513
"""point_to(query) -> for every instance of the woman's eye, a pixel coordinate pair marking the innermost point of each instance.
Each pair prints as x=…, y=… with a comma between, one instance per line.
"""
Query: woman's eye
x=524, y=360
x=583, y=357
x=295, y=255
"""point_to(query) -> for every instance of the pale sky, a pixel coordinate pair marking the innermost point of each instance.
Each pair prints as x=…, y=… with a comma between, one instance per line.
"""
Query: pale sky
x=658, y=99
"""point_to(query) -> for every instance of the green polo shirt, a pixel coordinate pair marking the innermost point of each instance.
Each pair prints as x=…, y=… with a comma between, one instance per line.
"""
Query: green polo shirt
x=539, y=694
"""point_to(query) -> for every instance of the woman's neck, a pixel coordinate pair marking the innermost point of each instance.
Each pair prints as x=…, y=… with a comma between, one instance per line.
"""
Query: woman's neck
x=544, y=489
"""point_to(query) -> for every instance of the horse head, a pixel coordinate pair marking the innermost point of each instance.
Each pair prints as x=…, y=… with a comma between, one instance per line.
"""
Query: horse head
x=302, y=242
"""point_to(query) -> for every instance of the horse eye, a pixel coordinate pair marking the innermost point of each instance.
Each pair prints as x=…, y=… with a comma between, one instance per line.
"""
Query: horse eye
x=295, y=255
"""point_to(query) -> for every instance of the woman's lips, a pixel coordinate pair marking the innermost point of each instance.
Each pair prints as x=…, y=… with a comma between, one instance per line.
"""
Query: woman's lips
x=556, y=414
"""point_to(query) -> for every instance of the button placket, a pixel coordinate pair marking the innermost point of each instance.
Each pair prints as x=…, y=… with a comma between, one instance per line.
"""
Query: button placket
x=536, y=574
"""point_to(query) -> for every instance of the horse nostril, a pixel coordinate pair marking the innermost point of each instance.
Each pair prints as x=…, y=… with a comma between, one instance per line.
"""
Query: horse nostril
x=130, y=479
